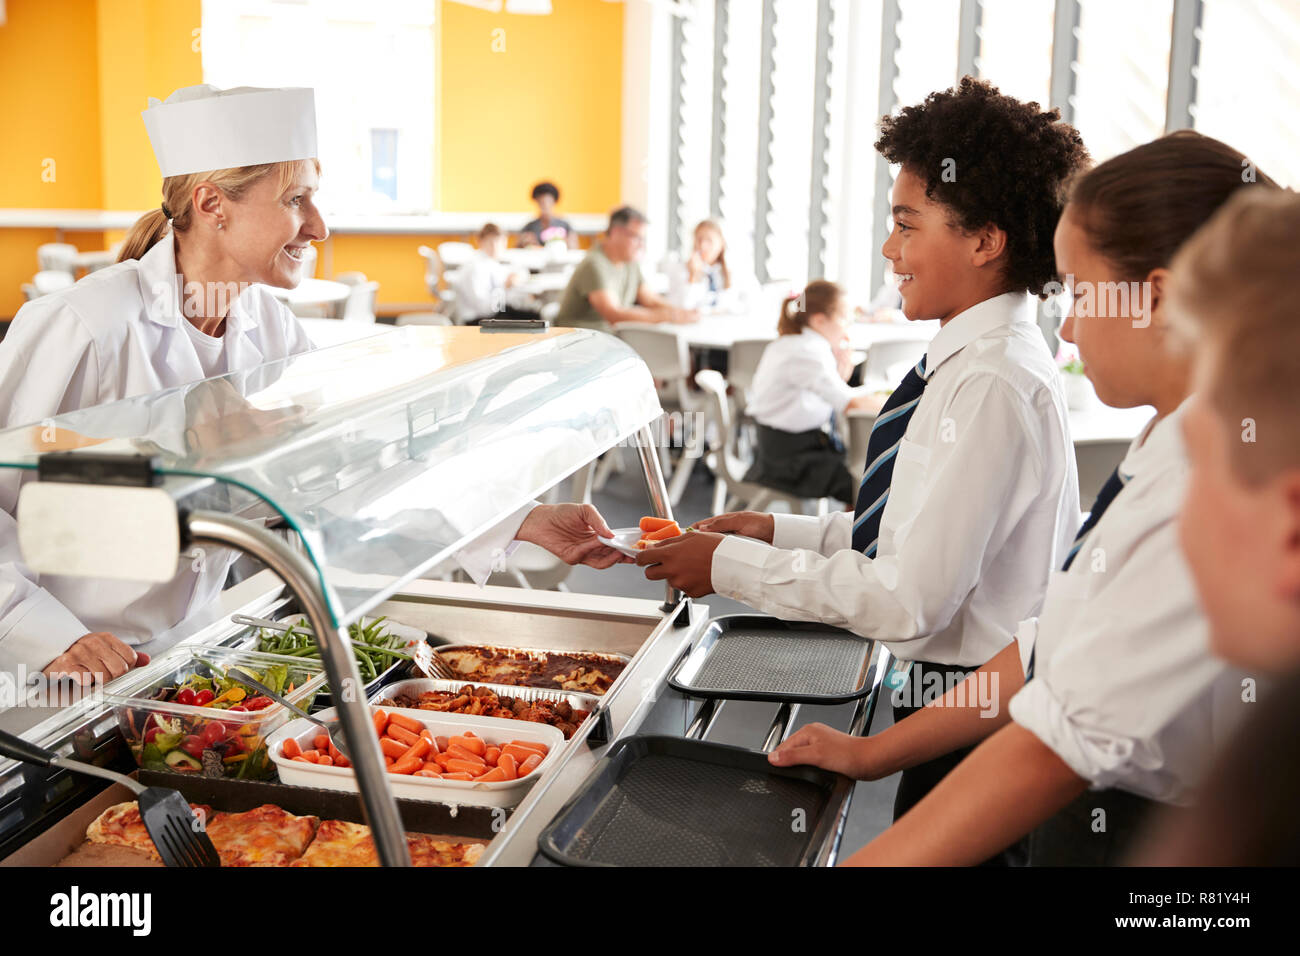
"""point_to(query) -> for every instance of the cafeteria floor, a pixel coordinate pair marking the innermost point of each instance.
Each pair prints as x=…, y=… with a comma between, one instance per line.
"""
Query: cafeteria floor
x=622, y=502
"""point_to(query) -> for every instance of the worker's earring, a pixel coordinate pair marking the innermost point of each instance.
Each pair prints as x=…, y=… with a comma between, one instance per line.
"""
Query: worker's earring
x=221, y=225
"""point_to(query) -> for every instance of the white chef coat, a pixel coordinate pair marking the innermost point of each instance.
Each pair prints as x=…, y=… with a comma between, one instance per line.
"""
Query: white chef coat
x=116, y=334
x=1125, y=690
x=984, y=502
x=480, y=287
x=797, y=385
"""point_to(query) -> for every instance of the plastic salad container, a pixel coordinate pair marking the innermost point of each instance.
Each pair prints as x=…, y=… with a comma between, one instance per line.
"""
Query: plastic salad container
x=191, y=718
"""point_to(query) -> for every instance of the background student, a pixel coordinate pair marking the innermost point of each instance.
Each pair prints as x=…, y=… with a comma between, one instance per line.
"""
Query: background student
x=481, y=283
x=704, y=279
x=1232, y=287
x=969, y=496
x=607, y=287
x=547, y=226
x=799, y=385
x=1122, y=695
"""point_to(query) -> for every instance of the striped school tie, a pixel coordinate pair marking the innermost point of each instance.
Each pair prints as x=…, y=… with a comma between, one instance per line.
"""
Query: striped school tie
x=1113, y=486
x=886, y=435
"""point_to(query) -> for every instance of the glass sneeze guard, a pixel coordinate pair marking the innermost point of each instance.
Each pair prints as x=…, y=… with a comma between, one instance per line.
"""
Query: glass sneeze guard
x=388, y=454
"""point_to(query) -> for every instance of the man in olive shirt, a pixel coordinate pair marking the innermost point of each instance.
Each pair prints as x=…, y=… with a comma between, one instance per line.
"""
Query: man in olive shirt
x=607, y=286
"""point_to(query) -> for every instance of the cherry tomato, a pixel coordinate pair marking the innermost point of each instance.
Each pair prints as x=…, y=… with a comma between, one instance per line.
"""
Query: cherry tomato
x=151, y=733
x=212, y=732
x=193, y=746
x=239, y=707
x=258, y=703
x=203, y=698
x=186, y=697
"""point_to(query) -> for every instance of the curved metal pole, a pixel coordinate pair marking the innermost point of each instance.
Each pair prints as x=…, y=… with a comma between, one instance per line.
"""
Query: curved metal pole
x=377, y=802
x=658, y=491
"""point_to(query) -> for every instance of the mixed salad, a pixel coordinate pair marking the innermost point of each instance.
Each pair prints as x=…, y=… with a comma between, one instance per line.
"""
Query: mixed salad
x=227, y=746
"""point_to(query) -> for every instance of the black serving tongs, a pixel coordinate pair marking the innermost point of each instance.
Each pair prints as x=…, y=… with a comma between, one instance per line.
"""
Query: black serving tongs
x=167, y=817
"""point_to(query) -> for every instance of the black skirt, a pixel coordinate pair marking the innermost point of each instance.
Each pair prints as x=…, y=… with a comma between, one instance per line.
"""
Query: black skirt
x=805, y=464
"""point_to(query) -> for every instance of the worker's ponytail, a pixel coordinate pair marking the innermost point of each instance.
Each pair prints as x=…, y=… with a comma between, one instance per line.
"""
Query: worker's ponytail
x=147, y=230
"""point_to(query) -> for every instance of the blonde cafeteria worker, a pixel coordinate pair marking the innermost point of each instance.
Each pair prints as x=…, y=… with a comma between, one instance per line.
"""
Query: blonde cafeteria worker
x=187, y=300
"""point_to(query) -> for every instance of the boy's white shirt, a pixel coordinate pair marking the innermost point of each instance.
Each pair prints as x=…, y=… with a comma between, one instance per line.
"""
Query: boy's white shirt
x=475, y=284
x=1125, y=690
x=984, y=502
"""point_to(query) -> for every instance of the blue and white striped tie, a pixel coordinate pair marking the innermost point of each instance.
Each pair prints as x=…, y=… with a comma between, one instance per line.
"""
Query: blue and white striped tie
x=886, y=435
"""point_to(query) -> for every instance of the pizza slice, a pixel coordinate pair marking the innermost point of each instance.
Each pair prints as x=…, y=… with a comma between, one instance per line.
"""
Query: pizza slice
x=122, y=825
x=263, y=836
x=339, y=843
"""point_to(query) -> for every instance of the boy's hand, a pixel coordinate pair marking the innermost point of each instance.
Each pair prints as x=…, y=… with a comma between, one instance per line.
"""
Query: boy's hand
x=820, y=746
x=570, y=533
x=685, y=562
x=751, y=524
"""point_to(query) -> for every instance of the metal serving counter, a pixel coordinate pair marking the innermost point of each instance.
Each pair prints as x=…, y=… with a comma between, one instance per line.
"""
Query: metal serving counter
x=639, y=702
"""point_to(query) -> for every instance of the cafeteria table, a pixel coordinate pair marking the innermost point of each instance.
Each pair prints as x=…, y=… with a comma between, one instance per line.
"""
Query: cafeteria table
x=722, y=330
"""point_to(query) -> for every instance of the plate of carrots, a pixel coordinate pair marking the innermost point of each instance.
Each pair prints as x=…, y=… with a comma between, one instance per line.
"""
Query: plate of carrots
x=651, y=530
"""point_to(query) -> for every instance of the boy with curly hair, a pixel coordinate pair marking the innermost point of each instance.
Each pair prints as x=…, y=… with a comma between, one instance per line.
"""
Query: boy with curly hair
x=969, y=497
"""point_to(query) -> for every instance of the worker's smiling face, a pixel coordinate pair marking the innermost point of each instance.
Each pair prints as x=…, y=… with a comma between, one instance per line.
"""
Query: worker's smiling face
x=268, y=231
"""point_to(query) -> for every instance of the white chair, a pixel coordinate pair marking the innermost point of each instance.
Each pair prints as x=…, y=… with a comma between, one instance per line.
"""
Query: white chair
x=881, y=369
x=422, y=318
x=52, y=280
x=435, y=277
x=360, y=303
x=1096, y=459
x=666, y=355
x=732, y=492
x=57, y=257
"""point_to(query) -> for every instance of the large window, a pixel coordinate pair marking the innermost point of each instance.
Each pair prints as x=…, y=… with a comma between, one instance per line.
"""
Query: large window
x=1248, y=82
x=372, y=66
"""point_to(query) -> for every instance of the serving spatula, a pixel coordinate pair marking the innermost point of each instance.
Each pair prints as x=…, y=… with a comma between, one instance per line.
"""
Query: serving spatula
x=167, y=817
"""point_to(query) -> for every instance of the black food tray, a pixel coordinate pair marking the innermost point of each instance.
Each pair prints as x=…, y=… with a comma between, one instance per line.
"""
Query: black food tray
x=759, y=657
x=667, y=801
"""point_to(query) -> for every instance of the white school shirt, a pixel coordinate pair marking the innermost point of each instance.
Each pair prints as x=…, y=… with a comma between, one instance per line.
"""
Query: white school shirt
x=796, y=385
x=119, y=333
x=1125, y=690
x=984, y=502
x=480, y=287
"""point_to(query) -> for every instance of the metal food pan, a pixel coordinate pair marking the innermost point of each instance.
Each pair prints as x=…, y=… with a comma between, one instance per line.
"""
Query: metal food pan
x=666, y=801
x=759, y=657
x=414, y=686
x=325, y=700
x=431, y=662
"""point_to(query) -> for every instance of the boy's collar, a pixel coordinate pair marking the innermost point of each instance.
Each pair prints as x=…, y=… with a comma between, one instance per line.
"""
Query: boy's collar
x=965, y=327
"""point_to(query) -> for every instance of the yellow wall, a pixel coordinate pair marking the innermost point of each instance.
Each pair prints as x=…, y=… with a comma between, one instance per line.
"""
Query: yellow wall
x=77, y=73
x=547, y=106
x=146, y=48
x=49, y=109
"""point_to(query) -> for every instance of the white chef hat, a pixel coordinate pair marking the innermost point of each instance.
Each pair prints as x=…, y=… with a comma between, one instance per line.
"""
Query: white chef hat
x=199, y=128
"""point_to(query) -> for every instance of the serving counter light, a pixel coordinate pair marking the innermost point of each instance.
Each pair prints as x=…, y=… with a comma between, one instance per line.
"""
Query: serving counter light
x=384, y=456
